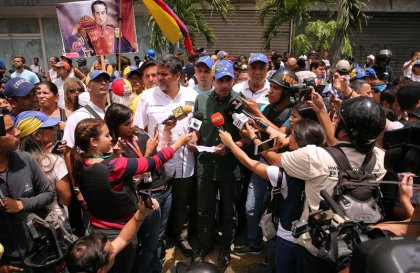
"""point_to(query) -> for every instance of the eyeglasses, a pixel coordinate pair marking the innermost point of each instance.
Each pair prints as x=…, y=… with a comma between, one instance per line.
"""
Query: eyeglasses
x=75, y=90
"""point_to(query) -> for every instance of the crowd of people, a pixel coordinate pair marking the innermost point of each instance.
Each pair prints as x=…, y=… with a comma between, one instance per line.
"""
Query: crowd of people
x=118, y=157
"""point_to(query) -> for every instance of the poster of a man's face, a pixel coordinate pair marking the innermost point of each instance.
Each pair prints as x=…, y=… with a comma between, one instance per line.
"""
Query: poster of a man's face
x=90, y=28
x=99, y=12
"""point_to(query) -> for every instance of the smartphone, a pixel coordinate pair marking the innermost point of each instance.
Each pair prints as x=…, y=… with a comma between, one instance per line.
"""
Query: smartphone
x=145, y=197
x=306, y=95
x=57, y=144
x=265, y=145
x=2, y=126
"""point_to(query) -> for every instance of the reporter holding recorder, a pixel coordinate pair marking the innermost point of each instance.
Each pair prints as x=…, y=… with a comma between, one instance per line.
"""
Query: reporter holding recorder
x=105, y=180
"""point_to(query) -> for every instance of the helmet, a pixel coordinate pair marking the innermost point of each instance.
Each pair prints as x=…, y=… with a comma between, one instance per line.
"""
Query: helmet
x=284, y=78
x=384, y=55
x=151, y=53
x=363, y=120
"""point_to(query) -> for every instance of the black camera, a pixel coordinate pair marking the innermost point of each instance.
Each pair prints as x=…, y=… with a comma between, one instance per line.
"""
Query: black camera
x=303, y=86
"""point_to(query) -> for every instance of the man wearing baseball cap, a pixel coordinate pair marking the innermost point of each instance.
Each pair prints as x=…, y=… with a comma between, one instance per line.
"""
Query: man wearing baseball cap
x=256, y=88
x=63, y=73
x=218, y=171
x=21, y=95
x=203, y=75
x=97, y=86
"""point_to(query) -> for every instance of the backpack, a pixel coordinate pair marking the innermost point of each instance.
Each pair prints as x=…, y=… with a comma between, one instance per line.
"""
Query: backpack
x=359, y=198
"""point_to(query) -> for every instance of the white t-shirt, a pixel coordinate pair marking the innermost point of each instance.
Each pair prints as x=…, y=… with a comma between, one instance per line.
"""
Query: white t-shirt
x=55, y=169
x=274, y=173
x=260, y=96
x=27, y=75
x=60, y=83
x=74, y=119
x=154, y=107
x=53, y=74
x=407, y=72
x=319, y=170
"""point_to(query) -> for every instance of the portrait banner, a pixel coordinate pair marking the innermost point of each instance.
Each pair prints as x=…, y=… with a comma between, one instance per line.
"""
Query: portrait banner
x=90, y=28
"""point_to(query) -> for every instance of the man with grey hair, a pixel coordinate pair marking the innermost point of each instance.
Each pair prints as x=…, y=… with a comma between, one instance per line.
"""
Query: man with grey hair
x=362, y=87
x=155, y=106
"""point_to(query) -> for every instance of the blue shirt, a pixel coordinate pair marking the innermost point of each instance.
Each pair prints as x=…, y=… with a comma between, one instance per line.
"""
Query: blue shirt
x=27, y=75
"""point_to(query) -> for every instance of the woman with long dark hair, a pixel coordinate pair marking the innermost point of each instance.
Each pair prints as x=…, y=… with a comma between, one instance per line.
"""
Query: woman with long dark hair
x=106, y=183
x=38, y=134
x=136, y=143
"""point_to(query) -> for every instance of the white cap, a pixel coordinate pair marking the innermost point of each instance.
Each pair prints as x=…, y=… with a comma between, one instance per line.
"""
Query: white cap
x=371, y=57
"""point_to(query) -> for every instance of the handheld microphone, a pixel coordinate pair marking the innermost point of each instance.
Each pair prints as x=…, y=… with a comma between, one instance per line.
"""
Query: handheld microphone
x=178, y=113
x=237, y=106
x=239, y=120
x=196, y=121
x=218, y=120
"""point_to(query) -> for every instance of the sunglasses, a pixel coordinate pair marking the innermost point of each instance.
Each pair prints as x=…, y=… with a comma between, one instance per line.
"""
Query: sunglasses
x=75, y=90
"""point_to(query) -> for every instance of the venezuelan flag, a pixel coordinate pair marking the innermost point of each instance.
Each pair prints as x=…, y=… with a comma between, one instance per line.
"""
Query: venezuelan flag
x=170, y=24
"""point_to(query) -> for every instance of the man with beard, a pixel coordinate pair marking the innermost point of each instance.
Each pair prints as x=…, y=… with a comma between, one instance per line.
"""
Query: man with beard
x=21, y=95
x=218, y=171
x=156, y=105
x=21, y=72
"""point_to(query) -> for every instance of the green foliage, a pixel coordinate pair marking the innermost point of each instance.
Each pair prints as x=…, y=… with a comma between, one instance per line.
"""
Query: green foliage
x=192, y=13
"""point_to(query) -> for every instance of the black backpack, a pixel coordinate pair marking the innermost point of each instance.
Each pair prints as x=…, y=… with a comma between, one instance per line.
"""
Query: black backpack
x=359, y=198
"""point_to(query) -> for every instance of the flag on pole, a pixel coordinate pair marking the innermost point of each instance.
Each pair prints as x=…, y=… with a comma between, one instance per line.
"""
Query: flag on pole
x=170, y=24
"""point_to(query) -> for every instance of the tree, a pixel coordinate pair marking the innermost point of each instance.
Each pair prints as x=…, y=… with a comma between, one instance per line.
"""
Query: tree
x=348, y=16
x=192, y=13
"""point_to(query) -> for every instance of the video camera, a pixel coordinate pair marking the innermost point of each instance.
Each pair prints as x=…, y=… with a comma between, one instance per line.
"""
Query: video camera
x=332, y=233
x=303, y=86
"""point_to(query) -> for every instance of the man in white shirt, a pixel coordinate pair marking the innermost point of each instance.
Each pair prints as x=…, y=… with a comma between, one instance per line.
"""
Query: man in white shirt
x=98, y=90
x=36, y=68
x=63, y=72
x=408, y=65
x=256, y=88
x=156, y=105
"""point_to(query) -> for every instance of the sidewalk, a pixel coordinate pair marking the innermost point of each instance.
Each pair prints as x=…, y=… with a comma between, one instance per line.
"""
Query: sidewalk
x=239, y=264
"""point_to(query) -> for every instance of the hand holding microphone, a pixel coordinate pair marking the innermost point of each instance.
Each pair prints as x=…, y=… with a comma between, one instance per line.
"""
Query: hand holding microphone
x=179, y=113
x=218, y=120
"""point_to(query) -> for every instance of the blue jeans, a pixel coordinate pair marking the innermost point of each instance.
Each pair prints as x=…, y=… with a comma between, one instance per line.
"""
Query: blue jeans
x=151, y=235
x=287, y=254
x=256, y=196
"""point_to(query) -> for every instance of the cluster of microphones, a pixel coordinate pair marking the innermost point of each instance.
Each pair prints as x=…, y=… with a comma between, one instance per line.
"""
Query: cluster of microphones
x=236, y=109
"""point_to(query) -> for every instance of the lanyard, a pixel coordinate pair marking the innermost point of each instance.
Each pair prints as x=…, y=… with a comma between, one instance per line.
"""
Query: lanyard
x=135, y=147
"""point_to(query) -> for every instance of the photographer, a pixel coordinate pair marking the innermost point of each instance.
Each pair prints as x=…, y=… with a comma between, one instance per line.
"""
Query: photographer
x=360, y=122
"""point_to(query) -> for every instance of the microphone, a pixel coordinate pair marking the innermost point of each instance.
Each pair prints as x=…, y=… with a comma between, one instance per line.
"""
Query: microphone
x=196, y=121
x=218, y=120
x=179, y=113
x=239, y=120
x=237, y=106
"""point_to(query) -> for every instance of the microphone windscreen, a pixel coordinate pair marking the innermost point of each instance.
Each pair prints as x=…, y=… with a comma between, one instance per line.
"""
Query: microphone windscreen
x=198, y=115
x=121, y=87
x=187, y=109
x=217, y=119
